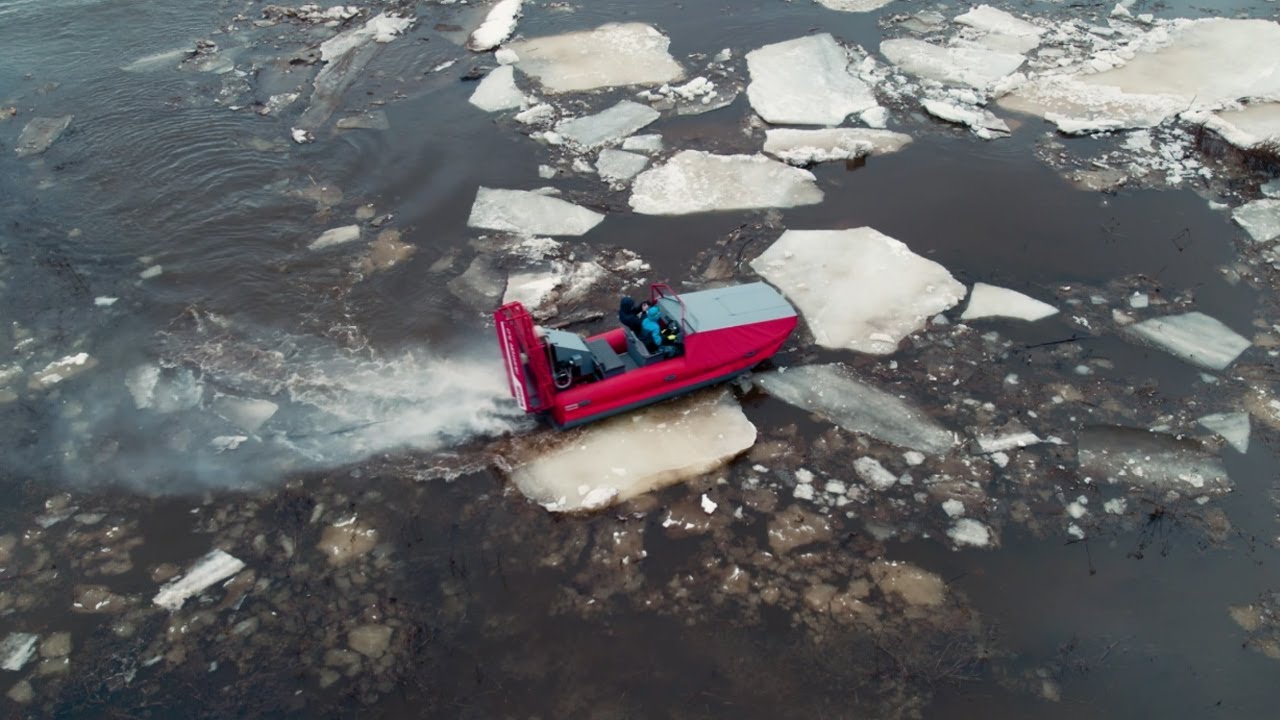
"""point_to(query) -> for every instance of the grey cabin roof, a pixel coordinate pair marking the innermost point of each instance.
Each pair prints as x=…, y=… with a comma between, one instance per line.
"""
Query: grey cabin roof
x=724, y=307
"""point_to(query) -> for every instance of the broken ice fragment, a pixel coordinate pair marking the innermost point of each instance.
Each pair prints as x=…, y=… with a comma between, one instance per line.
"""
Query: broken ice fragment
x=857, y=288
x=1140, y=457
x=247, y=413
x=1232, y=427
x=874, y=474
x=991, y=301
x=208, y=570
x=611, y=55
x=804, y=147
x=617, y=165
x=643, y=143
x=614, y=460
x=614, y=123
x=975, y=67
x=806, y=81
x=529, y=213
x=835, y=393
x=16, y=649
x=60, y=370
x=708, y=505
x=1260, y=218
x=39, y=134
x=968, y=531
x=1003, y=31
x=1011, y=436
x=497, y=26
x=1193, y=337
x=983, y=123
x=336, y=236
x=694, y=181
x=498, y=91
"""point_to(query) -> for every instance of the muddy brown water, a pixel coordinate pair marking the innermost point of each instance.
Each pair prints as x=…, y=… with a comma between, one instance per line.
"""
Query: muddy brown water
x=153, y=167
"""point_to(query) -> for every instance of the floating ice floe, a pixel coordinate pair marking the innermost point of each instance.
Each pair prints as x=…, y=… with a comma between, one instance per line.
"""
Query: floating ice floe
x=40, y=133
x=858, y=288
x=612, y=55
x=617, y=459
x=612, y=124
x=1247, y=127
x=1188, y=65
x=16, y=649
x=208, y=570
x=854, y=5
x=874, y=474
x=806, y=81
x=248, y=414
x=694, y=181
x=1260, y=218
x=620, y=165
x=1193, y=337
x=1271, y=189
x=982, y=121
x=975, y=67
x=805, y=147
x=529, y=213
x=1002, y=31
x=1139, y=457
x=498, y=91
x=968, y=531
x=991, y=301
x=649, y=144
x=1232, y=427
x=336, y=236
x=835, y=393
x=1010, y=437
x=60, y=370
x=497, y=26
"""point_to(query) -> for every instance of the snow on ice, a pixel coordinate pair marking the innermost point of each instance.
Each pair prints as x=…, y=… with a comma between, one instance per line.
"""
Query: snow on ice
x=612, y=124
x=806, y=81
x=1260, y=218
x=694, y=181
x=1139, y=457
x=837, y=394
x=497, y=26
x=617, y=459
x=991, y=301
x=611, y=55
x=975, y=67
x=1193, y=337
x=858, y=288
x=1232, y=427
x=529, y=213
x=210, y=569
x=498, y=91
x=805, y=147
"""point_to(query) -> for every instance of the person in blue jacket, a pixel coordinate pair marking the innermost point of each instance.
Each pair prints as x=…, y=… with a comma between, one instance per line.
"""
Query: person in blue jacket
x=652, y=328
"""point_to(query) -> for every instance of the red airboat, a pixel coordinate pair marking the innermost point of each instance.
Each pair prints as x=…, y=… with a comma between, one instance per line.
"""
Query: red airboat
x=716, y=335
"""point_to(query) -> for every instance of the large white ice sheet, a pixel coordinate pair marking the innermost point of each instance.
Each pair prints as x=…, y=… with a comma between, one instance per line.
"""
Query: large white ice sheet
x=529, y=213
x=806, y=81
x=210, y=569
x=975, y=67
x=837, y=394
x=694, y=181
x=620, y=458
x=611, y=55
x=858, y=288
x=1193, y=337
x=803, y=147
x=991, y=301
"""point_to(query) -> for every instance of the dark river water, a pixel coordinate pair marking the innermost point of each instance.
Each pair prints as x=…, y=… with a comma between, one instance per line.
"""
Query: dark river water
x=383, y=378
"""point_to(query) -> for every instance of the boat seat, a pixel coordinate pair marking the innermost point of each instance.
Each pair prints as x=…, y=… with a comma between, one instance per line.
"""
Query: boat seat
x=637, y=350
x=606, y=359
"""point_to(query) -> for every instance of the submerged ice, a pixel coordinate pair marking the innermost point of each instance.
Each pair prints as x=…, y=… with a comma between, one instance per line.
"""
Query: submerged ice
x=1193, y=337
x=1142, y=458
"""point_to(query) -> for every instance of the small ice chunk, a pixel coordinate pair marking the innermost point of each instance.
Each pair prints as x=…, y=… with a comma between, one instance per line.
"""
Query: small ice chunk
x=804, y=147
x=858, y=288
x=497, y=26
x=498, y=91
x=982, y=121
x=224, y=443
x=913, y=457
x=694, y=181
x=247, y=413
x=537, y=115
x=302, y=136
x=1012, y=435
x=151, y=272
x=1138, y=301
x=1271, y=189
x=1077, y=510
x=611, y=55
x=1232, y=427
x=968, y=531
x=1260, y=218
x=807, y=81
x=619, y=165
x=611, y=124
x=803, y=492
x=991, y=301
x=210, y=569
x=874, y=474
x=953, y=508
x=529, y=213
x=1074, y=531
x=104, y=301
x=1193, y=337
x=1115, y=506
x=854, y=5
x=16, y=649
x=336, y=236
x=975, y=67
x=708, y=505
x=649, y=144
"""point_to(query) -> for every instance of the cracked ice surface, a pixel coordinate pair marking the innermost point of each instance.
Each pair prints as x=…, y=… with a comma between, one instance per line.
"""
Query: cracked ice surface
x=617, y=459
x=529, y=213
x=1232, y=427
x=498, y=91
x=835, y=393
x=210, y=569
x=1260, y=218
x=991, y=301
x=1189, y=65
x=694, y=181
x=614, y=123
x=1193, y=337
x=858, y=288
x=611, y=55
x=806, y=81
x=975, y=67
x=1139, y=457
x=803, y=147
